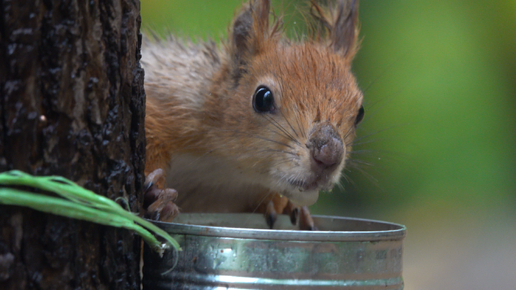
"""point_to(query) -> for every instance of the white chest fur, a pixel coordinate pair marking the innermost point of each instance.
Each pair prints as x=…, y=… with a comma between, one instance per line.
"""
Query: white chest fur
x=211, y=184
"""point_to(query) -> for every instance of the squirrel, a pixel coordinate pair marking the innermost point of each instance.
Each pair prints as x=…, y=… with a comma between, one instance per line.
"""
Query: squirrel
x=260, y=123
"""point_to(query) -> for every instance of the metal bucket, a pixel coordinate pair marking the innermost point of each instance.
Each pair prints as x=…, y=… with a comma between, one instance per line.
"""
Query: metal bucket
x=237, y=251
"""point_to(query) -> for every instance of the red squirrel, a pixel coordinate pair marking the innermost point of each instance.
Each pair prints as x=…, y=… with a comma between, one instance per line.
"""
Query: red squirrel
x=259, y=123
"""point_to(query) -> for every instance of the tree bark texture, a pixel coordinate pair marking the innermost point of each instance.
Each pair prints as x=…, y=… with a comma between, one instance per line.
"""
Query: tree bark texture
x=72, y=104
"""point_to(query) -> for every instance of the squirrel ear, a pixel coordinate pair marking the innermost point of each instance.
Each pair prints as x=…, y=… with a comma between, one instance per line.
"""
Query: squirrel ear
x=251, y=25
x=340, y=25
x=250, y=31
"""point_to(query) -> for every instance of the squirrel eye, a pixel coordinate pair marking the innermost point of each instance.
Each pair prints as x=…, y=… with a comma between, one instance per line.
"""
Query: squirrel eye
x=360, y=115
x=263, y=100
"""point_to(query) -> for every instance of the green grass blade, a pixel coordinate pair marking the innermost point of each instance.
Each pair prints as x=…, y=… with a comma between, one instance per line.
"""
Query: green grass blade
x=86, y=199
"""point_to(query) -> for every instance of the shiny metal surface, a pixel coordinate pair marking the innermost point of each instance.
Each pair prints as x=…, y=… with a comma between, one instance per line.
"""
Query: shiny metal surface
x=237, y=251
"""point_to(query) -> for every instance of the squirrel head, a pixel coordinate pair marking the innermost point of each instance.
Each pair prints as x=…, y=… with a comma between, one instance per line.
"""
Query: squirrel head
x=287, y=110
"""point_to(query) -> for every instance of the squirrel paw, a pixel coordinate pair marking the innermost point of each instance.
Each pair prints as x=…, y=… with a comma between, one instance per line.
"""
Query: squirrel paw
x=158, y=203
x=283, y=205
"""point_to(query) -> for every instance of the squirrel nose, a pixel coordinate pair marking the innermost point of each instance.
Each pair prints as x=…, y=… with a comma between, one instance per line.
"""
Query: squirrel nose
x=329, y=154
x=326, y=147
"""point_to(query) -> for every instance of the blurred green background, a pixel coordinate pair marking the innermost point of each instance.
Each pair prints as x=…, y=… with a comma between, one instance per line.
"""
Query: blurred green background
x=439, y=79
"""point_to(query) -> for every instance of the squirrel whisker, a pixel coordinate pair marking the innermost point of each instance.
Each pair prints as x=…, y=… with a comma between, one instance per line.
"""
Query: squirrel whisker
x=258, y=137
x=286, y=119
x=281, y=128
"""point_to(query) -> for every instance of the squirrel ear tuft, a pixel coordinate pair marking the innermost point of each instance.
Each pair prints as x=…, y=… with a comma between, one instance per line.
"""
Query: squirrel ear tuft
x=251, y=26
x=339, y=24
x=250, y=31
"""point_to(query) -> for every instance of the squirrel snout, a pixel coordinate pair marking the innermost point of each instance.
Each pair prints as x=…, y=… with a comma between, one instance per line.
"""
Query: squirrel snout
x=326, y=147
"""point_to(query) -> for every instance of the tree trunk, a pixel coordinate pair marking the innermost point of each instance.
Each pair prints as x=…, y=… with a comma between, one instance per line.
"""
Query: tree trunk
x=72, y=104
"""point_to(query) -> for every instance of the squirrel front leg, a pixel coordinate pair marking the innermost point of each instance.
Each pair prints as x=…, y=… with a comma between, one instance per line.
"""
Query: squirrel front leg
x=280, y=204
x=158, y=201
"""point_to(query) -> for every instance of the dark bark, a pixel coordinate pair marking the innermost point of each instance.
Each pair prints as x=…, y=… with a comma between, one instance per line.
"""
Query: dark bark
x=71, y=104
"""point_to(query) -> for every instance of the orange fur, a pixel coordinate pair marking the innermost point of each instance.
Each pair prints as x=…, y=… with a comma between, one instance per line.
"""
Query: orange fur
x=200, y=107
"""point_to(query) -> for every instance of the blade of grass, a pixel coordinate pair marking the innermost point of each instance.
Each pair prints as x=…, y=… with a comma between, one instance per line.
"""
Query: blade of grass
x=81, y=196
x=69, y=209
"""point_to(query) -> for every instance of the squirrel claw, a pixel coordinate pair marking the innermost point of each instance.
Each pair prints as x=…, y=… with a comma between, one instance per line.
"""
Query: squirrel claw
x=158, y=203
x=270, y=214
x=292, y=211
x=300, y=215
x=306, y=223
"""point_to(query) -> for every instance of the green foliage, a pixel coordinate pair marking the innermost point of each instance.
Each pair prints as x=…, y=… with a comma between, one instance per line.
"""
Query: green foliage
x=446, y=89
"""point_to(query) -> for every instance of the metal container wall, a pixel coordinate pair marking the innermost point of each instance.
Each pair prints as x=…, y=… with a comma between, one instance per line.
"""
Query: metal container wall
x=237, y=251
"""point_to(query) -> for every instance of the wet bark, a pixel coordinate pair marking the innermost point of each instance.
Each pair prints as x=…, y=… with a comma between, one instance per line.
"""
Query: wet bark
x=71, y=104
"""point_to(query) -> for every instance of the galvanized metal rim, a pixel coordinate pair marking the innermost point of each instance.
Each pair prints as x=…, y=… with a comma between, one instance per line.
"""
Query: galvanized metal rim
x=396, y=232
